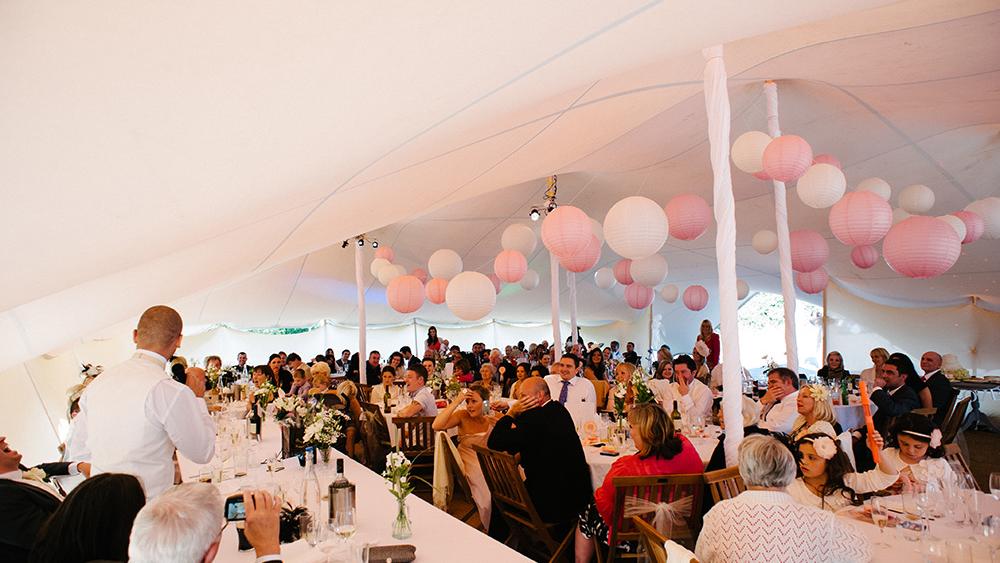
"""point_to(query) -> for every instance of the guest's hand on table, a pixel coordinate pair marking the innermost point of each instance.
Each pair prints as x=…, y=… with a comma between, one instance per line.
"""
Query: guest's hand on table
x=263, y=522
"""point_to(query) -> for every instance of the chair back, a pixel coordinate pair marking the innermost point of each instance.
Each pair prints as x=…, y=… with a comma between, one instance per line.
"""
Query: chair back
x=601, y=388
x=725, y=483
x=683, y=493
x=650, y=540
x=416, y=439
x=954, y=422
x=365, y=393
x=953, y=455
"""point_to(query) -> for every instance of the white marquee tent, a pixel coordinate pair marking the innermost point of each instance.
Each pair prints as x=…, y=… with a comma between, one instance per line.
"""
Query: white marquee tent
x=214, y=155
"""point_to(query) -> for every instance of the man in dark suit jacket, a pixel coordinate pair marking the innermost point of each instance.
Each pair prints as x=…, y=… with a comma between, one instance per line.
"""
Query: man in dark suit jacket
x=542, y=432
x=941, y=390
x=892, y=398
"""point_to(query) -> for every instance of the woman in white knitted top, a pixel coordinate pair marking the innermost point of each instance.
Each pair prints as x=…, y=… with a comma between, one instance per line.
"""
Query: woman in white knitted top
x=826, y=478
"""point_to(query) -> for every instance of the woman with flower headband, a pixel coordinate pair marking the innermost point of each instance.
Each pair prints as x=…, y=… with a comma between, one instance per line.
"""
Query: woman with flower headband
x=826, y=478
x=815, y=413
x=915, y=449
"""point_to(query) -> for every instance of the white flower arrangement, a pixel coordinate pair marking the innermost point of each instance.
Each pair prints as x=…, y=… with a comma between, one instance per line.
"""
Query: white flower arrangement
x=825, y=447
x=397, y=475
x=289, y=407
x=324, y=427
x=265, y=394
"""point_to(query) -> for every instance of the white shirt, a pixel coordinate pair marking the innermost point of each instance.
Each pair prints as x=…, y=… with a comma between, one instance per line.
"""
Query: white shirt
x=378, y=392
x=581, y=397
x=698, y=401
x=428, y=405
x=867, y=482
x=781, y=415
x=134, y=416
x=928, y=467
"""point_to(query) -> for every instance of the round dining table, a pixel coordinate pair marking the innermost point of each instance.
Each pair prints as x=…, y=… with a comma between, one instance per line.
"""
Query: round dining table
x=600, y=464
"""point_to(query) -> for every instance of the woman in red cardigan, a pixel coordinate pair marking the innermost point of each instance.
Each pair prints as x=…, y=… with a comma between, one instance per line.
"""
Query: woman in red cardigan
x=660, y=452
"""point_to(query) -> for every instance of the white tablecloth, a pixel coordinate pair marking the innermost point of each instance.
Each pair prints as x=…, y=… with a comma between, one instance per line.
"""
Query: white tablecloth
x=438, y=536
x=851, y=416
x=600, y=465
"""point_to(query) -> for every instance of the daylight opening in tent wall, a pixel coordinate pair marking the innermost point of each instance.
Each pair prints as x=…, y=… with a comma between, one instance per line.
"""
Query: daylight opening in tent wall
x=650, y=205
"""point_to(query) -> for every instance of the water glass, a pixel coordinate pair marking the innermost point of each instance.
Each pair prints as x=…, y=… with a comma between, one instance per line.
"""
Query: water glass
x=959, y=552
x=995, y=485
x=880, y=516
x=310, y=528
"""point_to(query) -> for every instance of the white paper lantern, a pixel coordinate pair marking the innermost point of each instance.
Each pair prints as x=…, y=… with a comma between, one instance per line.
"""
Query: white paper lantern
x=989, y=209
x=765, y=242
x=876, y=185
x=748, y=151
x=669, y=293
x=916, y=199
x=956, y=224
x=742, y=289
x=636, y=227
x=520, y=238
x=597, y=229
x=378, y=264
x=530, y=280
x=444, y=264
x=604, y=278
x=898, y=215
x=821, y=186
x=470, y=296
x=649, y=271
x=388, y=273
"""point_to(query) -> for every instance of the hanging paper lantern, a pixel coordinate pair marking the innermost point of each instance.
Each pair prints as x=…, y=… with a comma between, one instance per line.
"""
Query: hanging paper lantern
x=405, y=294
x=787, y=158
x=764, y=242
x=669, y=293
x=622, y=273
x=864, y=257
x=688, y=216
x=597, y=230
x=762, y=176
x=649, y=271
x=860, y=218
x=530, y=280
x=435, y=290
x=444, y=264
x=877, y=186
x=955, y=223
x=748, y=151
x=809, y=250
x=604, y=278
x=497, y=283
x=821, y=186
x=974, y=225
x=585, y=259
x=421, y=274
x=520, y=238
x=566, y=231
x=695, y=297
x=916, y=199
x=388, y=273
x=510, y=266
x=385, y=252
x=636, y=227
x=377, y=264
x=921, y=247
x=988, y=209
x=899, y=215
x=638, y=296
x=471, y=296
x=812, y=282
x=827, y=159
x=742, y=289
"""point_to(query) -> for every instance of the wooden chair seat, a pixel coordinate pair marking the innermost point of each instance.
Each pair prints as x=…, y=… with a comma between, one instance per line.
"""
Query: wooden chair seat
x=651, y=540
x=724, y=483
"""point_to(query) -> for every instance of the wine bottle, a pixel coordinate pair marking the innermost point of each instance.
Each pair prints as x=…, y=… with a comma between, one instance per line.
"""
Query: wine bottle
x=255, y=420
x=385, y=402
x=676, y=414
x=342, y=494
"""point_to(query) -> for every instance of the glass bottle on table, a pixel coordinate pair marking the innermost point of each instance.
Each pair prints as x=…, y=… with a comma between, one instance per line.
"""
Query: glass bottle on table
x=310, y=526
x=675, y=415
x=342, y=504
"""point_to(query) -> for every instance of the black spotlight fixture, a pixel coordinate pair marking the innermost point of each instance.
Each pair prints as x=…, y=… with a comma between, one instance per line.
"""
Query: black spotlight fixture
x=374, y=244
x=551, y=206
x=361, y=241
x=535, y=214
x=344, y=245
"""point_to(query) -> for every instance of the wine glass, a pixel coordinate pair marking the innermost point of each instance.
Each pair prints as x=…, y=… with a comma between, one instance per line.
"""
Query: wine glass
x=343, y=523
x=995, y=485
x=697, y=425
x=309, y=528
x=880, y=516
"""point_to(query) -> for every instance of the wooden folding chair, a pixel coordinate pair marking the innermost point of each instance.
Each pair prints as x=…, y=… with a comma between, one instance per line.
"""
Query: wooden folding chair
x=416, y=442
x=364, y=393
x=653, y=489
x=510, y=497
x=950, y=427
x=462, y=484
x=952, y=453
x=929, y=412
x=650, y=540
x=725, y=483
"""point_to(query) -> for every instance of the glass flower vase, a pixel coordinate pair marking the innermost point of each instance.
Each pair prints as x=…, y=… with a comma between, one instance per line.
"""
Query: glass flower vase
x=401, y=525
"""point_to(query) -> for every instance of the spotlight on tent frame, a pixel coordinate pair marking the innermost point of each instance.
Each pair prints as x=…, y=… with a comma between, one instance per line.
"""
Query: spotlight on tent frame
x=361, y=241
x=551, y=206
x=344, y=245
x=535, y=214
x=374, y=244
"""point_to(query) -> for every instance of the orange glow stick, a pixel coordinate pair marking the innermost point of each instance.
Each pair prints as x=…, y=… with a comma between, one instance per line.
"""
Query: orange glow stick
x=866, y=404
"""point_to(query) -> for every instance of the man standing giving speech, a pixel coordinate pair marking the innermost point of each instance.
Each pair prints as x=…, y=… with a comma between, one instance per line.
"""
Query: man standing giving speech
x=134, y=415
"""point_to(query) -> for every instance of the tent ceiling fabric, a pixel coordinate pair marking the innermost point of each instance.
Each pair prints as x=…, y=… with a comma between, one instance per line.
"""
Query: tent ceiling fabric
x=215, y=156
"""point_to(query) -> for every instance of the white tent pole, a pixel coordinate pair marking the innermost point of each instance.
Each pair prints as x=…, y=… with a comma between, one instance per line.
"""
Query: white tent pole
x=556, y=334
x=359, y=279
x=784, y=247
x=717, y=107
x=416, y=341
x=649, y=347
x=574, y=329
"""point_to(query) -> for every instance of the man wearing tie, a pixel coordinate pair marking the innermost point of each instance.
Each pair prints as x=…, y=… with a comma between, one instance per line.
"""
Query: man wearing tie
x=134, y=416
x=241, y=367
x=572, y=391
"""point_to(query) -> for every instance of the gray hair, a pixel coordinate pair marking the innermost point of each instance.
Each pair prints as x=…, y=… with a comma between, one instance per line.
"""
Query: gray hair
x=179, y=526
x=766, y=462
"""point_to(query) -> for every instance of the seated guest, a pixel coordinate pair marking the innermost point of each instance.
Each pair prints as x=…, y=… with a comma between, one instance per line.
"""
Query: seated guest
x=300, y=385
x=488, y=379
x=25, y=502
x=536, y=371
x=408, y=358
x=423, y=400
x=893, y=398
x=939, y=385
x=462, y=371
x=751, y=416
x=815, y=413
x=572, y=391
x=320, y=372
x=387, y=387
x=735, y=530
x=595, y=359
x=693, y=397
x=664, y=370
x=522, y=372
x=630, y=355
x=701, y=371
x=397, y=363
x=913, y=379
x=93, y=523
x=279, y=377
x=184, y=525
x=826, y=478
x=660, y=452
x=779, y=405
x=915, y=449
x=259, y=380
x=348, y=392
x=834, y=370
x=878, y=356
x=542, y=432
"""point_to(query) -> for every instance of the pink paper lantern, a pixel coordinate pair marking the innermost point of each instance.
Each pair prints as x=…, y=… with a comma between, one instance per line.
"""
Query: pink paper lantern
x=787, y=158
x=405, y=294
x=860, y=218
x=566, y=231
x=812, y=282
x=762, y=176
x=921, y=247
x=585, y=259
x=497, y=284
x=695, y=297
x=638, y=296
x=622, y=274
x=386, y=252
x=510, y=266
x=436, y=290
x=420, y=274
x=809, y=250
x=688, y=216
x=827, y=159
x=864, y=257
x=974, y=225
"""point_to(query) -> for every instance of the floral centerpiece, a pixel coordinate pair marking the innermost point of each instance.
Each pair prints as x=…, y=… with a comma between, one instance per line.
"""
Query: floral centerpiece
x=323, y=428
x=265, y=394
x=212, y=376
x=397, y=476
x=640, y=392
x=290, y=409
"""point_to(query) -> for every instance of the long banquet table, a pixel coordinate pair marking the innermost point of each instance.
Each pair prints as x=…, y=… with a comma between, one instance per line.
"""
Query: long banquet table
x=437, y=535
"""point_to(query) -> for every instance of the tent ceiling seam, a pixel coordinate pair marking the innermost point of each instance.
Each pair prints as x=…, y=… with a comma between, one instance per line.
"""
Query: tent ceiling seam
x=291, y=292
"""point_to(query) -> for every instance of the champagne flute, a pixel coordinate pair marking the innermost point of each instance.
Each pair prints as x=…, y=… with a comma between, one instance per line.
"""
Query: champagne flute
x=880, y=516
